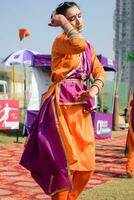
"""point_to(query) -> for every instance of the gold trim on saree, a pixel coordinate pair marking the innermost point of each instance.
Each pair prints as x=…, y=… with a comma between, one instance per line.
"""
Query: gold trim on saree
x=63, y=145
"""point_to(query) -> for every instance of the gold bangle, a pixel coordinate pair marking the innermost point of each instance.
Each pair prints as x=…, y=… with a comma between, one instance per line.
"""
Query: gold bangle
x=98, y=79
x=69, y=31
x=74, y=35
x=100, y=84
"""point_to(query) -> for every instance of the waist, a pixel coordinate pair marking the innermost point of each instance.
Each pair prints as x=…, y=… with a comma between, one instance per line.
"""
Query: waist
x=68, y=90
x=74, y=80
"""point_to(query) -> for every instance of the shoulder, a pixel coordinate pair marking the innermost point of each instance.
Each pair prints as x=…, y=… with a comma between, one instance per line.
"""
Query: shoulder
x=90, y=46
x=59, y=40
x=61, y=37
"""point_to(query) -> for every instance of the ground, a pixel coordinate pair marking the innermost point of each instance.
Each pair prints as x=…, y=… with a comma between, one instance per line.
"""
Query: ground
x=17, y=184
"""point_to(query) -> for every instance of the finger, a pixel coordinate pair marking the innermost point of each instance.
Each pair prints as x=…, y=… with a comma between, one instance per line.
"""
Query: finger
x=49, y=24
x=52, y=25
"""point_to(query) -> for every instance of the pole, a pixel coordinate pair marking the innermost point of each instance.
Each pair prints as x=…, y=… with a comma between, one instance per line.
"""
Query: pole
x=25, y=99
x=14, y=96
x=116, y=113
x=14, y=82
x=116, y=103
x=102, y=101
x=25, y=77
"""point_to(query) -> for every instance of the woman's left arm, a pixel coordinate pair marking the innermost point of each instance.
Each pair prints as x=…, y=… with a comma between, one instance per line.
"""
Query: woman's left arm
x=98, y=74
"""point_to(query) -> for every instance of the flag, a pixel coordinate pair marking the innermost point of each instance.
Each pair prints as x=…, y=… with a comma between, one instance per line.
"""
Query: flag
x=23, y=33
x=130, y=56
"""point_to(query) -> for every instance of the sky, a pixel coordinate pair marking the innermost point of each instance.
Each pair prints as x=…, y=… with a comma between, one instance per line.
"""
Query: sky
x=34, y=15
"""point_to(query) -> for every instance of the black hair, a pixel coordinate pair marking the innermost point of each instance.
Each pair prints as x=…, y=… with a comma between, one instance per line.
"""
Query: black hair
x=62, y=7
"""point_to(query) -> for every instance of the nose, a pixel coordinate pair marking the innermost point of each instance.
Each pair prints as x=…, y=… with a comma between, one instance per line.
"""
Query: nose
x=77, y=20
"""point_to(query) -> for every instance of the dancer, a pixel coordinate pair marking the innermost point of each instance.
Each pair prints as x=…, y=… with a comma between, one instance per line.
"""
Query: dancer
x=61, y=150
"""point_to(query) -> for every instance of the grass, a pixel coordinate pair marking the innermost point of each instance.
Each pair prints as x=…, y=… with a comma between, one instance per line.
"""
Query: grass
x=119, y=133
x=12, y=136
x=118, y=189
x=7, y=138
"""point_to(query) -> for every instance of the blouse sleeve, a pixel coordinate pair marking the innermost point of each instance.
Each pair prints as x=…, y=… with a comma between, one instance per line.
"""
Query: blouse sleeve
x=64, y=45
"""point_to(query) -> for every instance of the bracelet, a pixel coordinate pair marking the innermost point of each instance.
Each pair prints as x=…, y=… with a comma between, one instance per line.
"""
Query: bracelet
x=69, y=31
x=98, y=79
x=100, y=84
x=74, y=35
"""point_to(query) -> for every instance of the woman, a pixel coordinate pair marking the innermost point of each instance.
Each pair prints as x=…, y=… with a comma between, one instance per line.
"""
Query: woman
x=130, y=143
x=62, y=138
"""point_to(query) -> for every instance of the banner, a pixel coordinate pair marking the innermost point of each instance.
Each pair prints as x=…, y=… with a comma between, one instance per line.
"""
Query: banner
x=9, y=114
x=102, y=123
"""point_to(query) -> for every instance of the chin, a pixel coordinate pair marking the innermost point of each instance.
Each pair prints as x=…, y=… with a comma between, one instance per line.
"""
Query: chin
x=80, y=30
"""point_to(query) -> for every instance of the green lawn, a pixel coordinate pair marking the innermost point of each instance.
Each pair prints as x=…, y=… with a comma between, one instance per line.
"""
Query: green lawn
x=10, y=137
x=118, y=189
x=118, y=133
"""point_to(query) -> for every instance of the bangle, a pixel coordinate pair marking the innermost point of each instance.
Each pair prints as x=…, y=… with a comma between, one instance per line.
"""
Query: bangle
x=98, y=79
x=69, y=31
x=100, y=84
x=74, y=35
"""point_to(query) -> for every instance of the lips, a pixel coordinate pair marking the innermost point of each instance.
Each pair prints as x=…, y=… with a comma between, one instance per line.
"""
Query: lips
x=80, y=28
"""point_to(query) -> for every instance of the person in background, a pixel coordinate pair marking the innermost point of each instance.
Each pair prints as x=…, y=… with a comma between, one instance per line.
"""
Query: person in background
x=60, y=153
x=130, y=142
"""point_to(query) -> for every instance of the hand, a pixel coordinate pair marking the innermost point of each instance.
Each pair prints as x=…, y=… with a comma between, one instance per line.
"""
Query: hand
x=84, y=96
x=58, y=20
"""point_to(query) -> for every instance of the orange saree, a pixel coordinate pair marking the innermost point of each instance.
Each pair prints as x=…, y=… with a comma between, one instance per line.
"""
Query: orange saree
x=75, y=127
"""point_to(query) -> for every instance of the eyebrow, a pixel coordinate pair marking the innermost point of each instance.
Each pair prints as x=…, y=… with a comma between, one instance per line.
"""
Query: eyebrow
x=74, y=15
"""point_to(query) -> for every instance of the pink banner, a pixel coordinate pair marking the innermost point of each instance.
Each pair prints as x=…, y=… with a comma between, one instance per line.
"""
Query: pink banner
x=9, y=114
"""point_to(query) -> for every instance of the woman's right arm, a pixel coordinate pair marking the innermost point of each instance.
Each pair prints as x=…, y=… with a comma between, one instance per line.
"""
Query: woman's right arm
x=66, y=45
x=73, y=43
